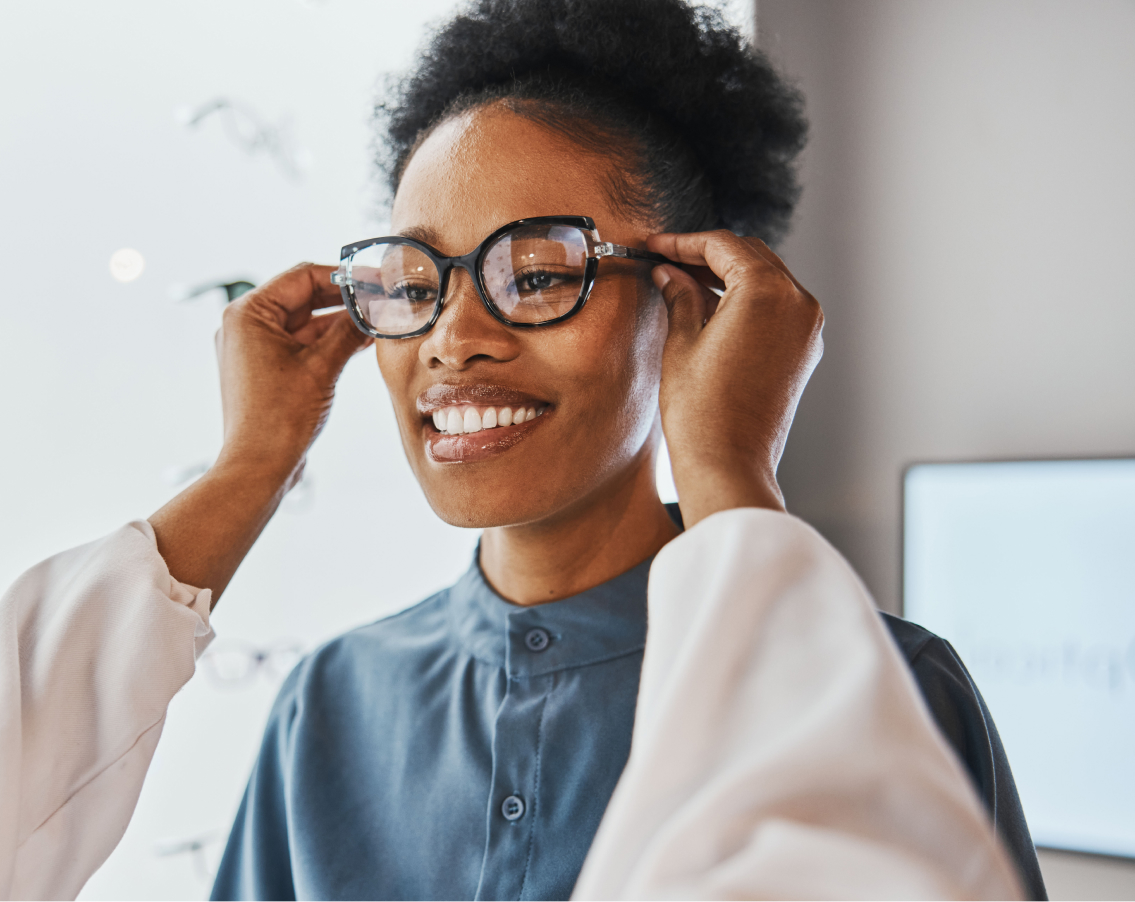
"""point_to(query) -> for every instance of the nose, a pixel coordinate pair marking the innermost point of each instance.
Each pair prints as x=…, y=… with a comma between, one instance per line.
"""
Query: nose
x=465, y=332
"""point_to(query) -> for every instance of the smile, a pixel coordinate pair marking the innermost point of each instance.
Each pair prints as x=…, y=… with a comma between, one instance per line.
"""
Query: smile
x=476, y=421
x=463, y=420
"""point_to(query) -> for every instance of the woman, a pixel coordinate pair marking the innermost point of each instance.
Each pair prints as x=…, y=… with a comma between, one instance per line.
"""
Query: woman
x=546, y=158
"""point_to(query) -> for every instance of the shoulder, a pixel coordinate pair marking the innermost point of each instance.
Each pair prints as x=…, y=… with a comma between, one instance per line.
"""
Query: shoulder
x=945, y=683
x=941, y=675
x=964, y=720
x=408, y=630
x=953, y=699
x=911, y=638
x=388, y=651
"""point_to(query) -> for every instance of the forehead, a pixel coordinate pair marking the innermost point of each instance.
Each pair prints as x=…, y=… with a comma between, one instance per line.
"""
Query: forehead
x=488, y=167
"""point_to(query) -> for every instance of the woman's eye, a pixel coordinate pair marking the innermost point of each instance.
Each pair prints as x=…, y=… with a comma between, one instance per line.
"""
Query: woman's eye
x=537, y=281
x=541, y=280
x=417, y=294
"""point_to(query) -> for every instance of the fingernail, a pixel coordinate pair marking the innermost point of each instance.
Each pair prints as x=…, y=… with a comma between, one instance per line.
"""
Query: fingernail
x=661, y=276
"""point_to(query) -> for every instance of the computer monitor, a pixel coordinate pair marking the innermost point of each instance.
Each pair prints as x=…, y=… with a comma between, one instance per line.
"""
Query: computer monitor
x=1028, y=569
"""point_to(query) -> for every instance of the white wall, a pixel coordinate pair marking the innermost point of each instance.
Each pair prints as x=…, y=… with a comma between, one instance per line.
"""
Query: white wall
x=107, y=385
x=968, y=225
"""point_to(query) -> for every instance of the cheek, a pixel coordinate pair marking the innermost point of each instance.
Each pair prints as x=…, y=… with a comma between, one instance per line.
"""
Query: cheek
x=639, y=358
x=397, y=362
x=615, y=363
x=650, y=331
x=644, y=362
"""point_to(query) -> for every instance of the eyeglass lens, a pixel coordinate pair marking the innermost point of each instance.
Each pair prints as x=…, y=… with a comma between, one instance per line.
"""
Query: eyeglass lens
x=531, y=274
x=396, y=287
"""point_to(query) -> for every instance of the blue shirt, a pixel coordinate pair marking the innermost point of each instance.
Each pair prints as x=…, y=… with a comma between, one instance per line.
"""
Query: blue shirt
x=464, y=748
x=467, y=748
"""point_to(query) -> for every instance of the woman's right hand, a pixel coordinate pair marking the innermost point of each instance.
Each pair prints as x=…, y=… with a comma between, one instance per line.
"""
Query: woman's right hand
x=279, y=364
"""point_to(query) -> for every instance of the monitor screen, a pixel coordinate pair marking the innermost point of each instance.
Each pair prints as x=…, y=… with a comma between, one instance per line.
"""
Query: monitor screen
x=1028, y=569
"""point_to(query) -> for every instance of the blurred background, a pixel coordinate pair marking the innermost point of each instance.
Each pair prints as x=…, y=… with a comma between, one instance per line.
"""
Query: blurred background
x=967, y=224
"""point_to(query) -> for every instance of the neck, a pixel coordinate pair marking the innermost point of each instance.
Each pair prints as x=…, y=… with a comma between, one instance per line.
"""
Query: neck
x=618, y=526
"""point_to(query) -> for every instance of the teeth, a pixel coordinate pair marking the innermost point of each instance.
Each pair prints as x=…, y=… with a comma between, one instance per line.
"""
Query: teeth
x=461, y=421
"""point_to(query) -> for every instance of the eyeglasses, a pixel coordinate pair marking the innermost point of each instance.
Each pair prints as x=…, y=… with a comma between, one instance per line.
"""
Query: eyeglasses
x=249, y=132
x=205, y=849
x=232, y=663
x=532, y=272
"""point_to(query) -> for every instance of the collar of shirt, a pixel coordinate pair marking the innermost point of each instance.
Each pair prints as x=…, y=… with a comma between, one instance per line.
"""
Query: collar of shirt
x=605, y=622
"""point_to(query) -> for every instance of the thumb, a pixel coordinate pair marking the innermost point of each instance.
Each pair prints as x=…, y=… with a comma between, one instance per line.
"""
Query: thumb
x=685, y=303
x=340, y=341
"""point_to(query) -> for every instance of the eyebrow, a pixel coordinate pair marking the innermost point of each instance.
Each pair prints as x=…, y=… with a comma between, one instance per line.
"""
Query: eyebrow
x=422, y=233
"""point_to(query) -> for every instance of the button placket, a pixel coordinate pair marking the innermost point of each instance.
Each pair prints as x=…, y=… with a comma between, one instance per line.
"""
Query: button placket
x=515, y=789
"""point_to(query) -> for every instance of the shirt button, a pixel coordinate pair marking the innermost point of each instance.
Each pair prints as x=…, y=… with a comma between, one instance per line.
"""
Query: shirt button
x=513, y=808
x=537, y=639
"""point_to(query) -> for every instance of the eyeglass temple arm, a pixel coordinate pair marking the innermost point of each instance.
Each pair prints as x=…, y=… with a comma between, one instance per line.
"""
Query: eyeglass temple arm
x=606, y=249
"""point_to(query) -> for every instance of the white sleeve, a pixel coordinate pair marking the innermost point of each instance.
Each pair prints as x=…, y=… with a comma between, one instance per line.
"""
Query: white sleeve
x=781, y=748
x=94, y=642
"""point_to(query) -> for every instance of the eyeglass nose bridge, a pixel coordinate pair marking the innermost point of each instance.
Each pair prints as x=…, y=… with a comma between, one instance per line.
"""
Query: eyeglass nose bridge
x=471, y=263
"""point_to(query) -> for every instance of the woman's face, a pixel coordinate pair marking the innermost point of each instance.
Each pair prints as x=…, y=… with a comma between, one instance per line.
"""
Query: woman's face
x=594, y=376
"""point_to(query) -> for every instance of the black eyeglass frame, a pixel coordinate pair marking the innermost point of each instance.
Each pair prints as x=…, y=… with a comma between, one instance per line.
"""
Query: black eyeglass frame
x=471, y=263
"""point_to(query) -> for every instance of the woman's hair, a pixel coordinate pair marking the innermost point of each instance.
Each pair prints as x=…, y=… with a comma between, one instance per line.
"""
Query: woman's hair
x=704, y=131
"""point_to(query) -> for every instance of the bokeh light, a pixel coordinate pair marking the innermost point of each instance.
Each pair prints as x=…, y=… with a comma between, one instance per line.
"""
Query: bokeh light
x=126, y=264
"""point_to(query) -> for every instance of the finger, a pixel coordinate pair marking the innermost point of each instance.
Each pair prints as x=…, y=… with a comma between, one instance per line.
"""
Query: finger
x=290, y=297
x=705, y=275
x=340, y=340
x=312, y=330
x=726, y=254
x=770, y=255
x=316, y=328
x=738, y=261
x=305, y=285
x=685, y=302
x=711, y=303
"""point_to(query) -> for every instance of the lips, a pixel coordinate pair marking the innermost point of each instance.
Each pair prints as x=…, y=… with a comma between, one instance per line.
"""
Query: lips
x=464, y=423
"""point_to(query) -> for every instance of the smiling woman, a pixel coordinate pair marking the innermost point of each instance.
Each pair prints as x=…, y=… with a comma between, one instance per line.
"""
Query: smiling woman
x=594, y=371
x=541, y=315
x=534, y=362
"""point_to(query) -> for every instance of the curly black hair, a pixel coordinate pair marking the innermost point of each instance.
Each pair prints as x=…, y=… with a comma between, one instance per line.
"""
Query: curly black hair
x=705, y=131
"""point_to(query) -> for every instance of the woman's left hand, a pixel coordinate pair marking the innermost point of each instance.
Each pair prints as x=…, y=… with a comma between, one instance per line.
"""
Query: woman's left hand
x=733, y=367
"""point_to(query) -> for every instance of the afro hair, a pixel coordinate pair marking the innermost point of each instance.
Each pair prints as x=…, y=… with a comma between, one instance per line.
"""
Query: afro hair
x=705, y=131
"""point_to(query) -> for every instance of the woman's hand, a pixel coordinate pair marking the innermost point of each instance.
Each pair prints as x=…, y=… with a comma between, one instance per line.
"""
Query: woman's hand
x=279, y=365
x=733, y=368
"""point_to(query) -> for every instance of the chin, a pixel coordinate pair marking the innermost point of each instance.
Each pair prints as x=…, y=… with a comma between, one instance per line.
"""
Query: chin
x=509, y=490
x=479, y=509
x=510, y=476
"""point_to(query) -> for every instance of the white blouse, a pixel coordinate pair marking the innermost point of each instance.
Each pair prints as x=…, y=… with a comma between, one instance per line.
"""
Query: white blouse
x=813, y=771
